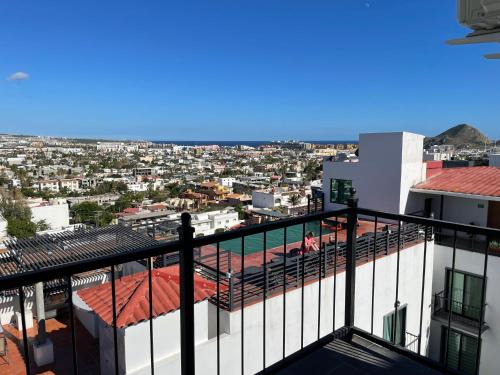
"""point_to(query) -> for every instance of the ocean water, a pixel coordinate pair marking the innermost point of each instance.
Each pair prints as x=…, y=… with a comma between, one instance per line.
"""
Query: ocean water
x=244, y=143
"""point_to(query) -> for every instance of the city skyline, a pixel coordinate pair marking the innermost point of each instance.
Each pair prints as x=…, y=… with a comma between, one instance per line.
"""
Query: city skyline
x=240, y=71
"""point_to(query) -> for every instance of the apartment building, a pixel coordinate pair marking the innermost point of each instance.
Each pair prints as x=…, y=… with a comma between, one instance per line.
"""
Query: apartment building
x=51, y=185
x=390, y=175
x=72, y=184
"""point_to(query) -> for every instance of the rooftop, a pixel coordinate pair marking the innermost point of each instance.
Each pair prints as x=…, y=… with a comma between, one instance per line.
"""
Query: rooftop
x=480, y=181
x=132, y=296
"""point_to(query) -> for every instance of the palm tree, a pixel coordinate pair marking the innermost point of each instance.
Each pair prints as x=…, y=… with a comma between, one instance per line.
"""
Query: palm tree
x=294, y=199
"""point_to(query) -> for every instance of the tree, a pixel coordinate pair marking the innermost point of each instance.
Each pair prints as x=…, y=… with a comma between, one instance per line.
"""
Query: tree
x=42, y=225
x=20, y=228
x=17, y=214
x=85, y=212
x=294, y=199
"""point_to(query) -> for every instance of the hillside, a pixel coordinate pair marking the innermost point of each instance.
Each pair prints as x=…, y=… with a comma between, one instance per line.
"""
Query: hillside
x=460, y=135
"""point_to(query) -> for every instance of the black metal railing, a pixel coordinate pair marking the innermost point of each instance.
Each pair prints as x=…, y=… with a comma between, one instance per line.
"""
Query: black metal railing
x=465, y=314
x=238, y=287
x=411, y=342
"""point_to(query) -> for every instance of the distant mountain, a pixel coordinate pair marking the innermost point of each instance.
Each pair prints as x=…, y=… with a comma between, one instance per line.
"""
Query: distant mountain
x=460, y=135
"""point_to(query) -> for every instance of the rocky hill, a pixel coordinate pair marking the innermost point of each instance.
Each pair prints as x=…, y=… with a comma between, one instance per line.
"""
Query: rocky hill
x=459, y=136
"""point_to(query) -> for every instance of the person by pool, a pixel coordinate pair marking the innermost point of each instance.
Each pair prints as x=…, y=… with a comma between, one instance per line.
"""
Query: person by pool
x=310, y=243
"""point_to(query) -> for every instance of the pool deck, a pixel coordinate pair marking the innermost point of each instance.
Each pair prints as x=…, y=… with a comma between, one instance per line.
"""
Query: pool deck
x=256, y=259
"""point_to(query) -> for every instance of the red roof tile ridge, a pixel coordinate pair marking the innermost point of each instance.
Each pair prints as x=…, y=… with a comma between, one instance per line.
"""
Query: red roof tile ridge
x=134, y=299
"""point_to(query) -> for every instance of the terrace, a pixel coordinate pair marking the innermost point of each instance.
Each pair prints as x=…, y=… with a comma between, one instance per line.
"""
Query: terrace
x=350, y=341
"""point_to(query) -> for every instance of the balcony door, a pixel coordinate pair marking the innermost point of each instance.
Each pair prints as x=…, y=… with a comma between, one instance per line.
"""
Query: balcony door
x=466, y=294
x=399, y=335
x=462, y=351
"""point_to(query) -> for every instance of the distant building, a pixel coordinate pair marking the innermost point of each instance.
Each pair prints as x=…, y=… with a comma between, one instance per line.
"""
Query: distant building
x=54, y=212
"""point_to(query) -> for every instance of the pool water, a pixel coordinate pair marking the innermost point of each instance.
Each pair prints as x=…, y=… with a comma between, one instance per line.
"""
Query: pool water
x=274, y=238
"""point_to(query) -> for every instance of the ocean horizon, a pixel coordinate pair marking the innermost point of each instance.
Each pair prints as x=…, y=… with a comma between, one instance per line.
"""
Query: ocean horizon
x=246, y=143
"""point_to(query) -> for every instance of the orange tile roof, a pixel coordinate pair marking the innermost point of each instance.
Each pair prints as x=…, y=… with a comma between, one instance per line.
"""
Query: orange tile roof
x=467, y=180
x=132, y=296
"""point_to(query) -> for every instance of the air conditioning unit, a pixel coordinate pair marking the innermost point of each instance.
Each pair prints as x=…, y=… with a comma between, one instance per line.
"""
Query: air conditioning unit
x=479, y=14
x=483, y=17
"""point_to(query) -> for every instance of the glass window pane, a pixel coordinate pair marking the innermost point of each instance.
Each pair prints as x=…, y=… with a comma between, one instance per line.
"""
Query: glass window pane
x=453, y=350
x=472, y=297
x=468, y=354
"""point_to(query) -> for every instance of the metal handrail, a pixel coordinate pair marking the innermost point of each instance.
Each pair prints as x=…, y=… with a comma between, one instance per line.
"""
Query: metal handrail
x=304, y=267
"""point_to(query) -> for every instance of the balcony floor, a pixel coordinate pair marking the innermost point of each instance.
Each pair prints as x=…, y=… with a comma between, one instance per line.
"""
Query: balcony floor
x=359, y=356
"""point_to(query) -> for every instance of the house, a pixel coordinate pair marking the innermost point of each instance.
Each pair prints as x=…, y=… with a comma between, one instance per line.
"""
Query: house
x=94, y=310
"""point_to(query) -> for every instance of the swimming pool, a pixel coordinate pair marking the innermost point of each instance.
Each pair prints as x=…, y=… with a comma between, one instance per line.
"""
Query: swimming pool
x=274, y=238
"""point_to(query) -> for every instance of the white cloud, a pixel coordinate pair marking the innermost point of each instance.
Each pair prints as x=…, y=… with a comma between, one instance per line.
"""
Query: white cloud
x=18, y=76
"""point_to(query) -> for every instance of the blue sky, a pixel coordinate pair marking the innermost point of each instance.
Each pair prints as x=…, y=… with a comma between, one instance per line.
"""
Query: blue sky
x=241, y=70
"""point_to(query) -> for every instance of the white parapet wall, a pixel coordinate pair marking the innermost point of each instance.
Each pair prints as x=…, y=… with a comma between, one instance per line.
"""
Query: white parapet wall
x=409, y=295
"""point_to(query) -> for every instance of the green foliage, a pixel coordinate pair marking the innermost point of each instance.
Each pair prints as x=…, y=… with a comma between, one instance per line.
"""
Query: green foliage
x=42, y=225
x=92, y=213
x=85, y=212
x=21, y=228
x=294, y=199
x=157, y=195
x=127, y=200
x=17, y=214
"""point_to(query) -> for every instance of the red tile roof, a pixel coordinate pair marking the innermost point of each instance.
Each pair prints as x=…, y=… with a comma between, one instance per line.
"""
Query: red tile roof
x=467, y=180
x=132, y=296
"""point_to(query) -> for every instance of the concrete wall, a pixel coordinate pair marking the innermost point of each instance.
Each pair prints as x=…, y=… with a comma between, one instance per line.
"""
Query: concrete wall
x=262, y=199
x=411, y=264
x=456, y=209
x=389, y=164
x=473, y=263
x=57, y=215
x=494, y=160
x=166, y=338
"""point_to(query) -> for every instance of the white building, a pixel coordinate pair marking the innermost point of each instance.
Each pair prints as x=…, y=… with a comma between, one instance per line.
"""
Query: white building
x=390, y=176
x=3, y=229
x=226, y=181
x=389, y=165
x=54, y=212
x=494, y=160
x=50, y=185
x=94, y=311
x=70, y=184
x=277, y=197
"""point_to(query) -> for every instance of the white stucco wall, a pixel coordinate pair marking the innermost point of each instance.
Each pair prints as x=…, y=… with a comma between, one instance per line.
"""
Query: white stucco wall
x=166, y=340
x=263, y=199
x=411, y=263
x=389, y=164
x=473, y=263
x=57, y=215
x=494, y=160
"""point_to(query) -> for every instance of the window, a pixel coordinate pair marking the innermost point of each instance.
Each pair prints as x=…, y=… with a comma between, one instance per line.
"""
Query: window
x=462, y=351
x=340, y=190
x=466, y=295
x=398, y=337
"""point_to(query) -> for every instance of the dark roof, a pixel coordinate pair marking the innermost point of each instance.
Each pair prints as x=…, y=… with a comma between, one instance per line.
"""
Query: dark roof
x=42, y=251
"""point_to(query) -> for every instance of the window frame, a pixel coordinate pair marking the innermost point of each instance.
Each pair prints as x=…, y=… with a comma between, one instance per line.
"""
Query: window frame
x=444, y=346
x=448, y=273
x=340, y=195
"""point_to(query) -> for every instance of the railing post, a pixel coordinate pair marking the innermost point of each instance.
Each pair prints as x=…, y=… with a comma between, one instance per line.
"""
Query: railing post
x=186, y=263
x=308, y=203
x=352, y=221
